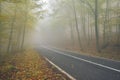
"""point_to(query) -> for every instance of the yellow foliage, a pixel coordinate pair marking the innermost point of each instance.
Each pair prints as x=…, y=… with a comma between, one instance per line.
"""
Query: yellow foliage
x=4, y=18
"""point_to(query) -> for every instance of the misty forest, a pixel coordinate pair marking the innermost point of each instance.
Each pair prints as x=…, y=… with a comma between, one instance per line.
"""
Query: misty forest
x=38, y=35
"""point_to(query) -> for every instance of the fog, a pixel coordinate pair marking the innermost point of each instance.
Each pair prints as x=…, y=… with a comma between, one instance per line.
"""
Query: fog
x=48, y=34
x=71, y=24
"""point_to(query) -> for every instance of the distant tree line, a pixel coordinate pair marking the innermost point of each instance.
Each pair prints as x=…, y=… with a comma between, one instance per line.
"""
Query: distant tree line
x=17, y=19
x=95, y=22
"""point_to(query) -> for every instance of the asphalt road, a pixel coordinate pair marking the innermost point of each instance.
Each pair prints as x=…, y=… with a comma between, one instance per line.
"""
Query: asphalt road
x=83, y=67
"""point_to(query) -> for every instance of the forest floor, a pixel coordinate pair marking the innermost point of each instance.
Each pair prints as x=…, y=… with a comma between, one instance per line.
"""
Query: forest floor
x=110, y=52
x=28, y=65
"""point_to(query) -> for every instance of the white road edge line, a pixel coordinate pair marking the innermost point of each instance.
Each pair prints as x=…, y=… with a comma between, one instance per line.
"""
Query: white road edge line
x=107, y=67
x=84, y=55
x=61, y=70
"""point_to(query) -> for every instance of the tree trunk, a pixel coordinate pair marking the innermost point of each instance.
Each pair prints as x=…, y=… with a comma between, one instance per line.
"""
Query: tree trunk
x=24, y=27
x=11, y=30
x=0, y=26
x=76, y=21
x=83, y=24
x=88, y=30
x=72, y=34
x=118, y=37
x=96, y=26
x=18, y=38
x=105, y=26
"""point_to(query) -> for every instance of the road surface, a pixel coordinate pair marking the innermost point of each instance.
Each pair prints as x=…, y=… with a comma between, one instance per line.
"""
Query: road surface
x=83, y=67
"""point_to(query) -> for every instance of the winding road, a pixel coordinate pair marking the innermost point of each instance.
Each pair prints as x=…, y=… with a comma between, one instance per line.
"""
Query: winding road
x=82, y=67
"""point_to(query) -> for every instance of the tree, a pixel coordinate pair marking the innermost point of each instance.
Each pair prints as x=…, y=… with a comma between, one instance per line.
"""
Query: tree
x=15, y=20
x=77, y=29
x=11, y=30
x=96, y=25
